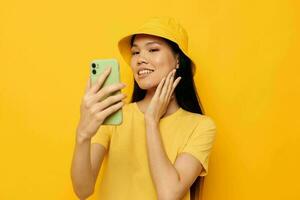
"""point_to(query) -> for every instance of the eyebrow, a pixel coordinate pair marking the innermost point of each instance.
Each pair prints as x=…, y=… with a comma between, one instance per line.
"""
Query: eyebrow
x=134, y=45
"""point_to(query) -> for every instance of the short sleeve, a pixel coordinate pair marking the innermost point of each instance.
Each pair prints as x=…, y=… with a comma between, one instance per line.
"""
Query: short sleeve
x=200, y=143
x=103, y=135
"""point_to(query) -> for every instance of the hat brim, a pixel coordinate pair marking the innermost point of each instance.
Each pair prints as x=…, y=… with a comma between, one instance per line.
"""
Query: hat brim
x=125, y=47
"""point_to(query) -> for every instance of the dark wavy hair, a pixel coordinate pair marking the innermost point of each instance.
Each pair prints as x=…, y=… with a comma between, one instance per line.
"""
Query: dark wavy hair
x=185, y=93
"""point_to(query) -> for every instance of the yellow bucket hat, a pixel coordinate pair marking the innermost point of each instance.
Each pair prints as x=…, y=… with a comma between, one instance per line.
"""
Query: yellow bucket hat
x=166, y=27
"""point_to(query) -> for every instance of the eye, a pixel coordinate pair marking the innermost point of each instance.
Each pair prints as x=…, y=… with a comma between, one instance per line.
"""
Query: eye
x=134, y=52
x=151, y=50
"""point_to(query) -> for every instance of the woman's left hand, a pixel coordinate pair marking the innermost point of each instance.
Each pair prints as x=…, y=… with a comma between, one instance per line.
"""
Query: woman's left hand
x=160, y=100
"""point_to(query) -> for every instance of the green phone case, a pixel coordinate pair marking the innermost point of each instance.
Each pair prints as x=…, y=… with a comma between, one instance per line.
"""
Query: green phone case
x=97, y=67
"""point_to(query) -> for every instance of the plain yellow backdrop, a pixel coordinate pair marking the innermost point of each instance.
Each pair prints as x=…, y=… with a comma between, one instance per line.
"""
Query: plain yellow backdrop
x=247, y=77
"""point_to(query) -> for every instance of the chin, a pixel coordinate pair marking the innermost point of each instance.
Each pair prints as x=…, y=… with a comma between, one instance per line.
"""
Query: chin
x=146, y=85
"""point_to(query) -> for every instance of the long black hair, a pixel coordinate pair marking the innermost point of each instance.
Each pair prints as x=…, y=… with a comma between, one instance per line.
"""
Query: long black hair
x=185, y=93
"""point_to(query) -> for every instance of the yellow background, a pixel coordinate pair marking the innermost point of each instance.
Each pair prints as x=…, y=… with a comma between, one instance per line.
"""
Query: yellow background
x=247, y=78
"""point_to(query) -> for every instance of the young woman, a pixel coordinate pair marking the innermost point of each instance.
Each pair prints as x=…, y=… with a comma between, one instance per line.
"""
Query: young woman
x=164, y=142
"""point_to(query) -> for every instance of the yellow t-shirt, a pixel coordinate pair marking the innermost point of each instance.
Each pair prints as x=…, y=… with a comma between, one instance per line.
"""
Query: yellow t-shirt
x=125, y=172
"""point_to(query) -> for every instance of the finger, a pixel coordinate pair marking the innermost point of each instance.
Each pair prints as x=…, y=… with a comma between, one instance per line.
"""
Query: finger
x=170, y=85
x=165, y=85
x=170, y=89
x=107, y=102
x=158, y=89
x=106, y=92
x=164, y=90
x=98, y=84
x=109, y=110
x=175, y=83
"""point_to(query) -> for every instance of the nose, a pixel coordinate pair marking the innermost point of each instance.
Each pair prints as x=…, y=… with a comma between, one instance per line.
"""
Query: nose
x=141, y=58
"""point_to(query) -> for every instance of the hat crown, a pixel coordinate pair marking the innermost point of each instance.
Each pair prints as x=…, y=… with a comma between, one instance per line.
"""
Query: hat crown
x=168, y=27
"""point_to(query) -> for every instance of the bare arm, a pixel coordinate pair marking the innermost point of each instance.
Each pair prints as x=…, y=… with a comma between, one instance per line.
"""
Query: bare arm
x=94, y=109
x=86, y=163
x=171, y=181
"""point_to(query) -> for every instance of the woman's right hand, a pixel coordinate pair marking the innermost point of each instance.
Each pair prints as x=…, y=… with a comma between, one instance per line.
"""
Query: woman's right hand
x=93, y=109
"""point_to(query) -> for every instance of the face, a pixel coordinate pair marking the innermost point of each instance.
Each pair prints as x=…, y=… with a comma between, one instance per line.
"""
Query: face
x=151, y=52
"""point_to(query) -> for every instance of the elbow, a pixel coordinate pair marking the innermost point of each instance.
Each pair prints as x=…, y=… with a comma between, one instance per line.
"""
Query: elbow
x=83, y=194
x=83, y=191
x=81, y=188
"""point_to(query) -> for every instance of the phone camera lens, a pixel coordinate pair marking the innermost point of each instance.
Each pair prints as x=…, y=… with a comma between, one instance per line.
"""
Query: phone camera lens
x=94, y=71
x=93, y=65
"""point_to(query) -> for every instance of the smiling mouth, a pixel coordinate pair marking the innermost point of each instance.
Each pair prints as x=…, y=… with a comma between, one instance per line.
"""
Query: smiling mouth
x=144, y=74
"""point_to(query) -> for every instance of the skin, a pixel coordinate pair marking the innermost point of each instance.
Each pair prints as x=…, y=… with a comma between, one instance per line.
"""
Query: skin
x=159, y=100
x=172, y=181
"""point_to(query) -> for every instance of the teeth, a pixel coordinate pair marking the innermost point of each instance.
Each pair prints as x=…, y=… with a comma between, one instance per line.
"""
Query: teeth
x=146, y=71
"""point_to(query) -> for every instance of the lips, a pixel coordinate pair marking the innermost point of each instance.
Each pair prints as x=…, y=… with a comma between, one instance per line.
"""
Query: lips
x=144, y=69
x=144, y=75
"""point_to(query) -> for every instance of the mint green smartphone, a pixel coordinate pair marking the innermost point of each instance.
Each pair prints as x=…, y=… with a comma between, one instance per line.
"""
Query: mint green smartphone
x=97, y=67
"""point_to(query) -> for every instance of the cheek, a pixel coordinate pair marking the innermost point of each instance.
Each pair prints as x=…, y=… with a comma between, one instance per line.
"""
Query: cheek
x=158, y=60
x=163, y=60
x=132, y=60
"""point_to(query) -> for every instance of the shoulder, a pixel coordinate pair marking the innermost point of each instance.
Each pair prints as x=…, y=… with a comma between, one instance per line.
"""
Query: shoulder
x=197, y=119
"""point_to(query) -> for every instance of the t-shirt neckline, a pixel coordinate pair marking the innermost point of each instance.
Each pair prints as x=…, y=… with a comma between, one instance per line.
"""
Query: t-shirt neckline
x=177, y=112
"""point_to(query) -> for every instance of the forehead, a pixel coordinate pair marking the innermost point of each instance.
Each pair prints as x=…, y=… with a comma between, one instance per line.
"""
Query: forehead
x=145, y=39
